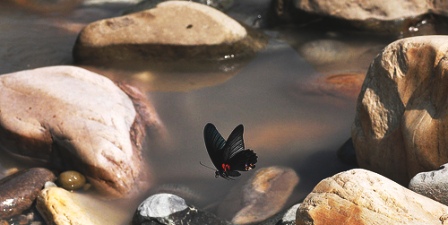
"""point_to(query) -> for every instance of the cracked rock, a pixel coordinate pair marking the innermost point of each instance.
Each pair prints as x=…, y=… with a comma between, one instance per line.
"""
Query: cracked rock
x=360, y=196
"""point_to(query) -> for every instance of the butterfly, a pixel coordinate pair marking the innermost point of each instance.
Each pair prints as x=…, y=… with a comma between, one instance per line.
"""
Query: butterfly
x=229, y=156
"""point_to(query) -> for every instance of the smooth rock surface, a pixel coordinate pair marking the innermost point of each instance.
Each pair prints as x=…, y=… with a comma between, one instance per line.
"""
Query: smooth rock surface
x=170, y=209
x=19, y=190
x=432, y=184
x=75, y=119
x=264, y=195
x=173, y=31
x=60, y=207
x=401, y=118
x=362, y=197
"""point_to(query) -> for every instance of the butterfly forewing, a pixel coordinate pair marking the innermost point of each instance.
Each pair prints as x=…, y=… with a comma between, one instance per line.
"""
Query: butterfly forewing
x=214, y=143
x=235, y=143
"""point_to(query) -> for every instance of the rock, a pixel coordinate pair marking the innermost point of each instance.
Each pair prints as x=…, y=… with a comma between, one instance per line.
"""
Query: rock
x=221, y=5
x=93, y=128
x=289, y=217
x=264, y=195
x=347, y=153
x=48, y=6
x=19, y=190
x=399, y=128
x=60, y=207
x=362, y=197
x=71, y=180
x=377, y=15
x=173, y=32
x=339, y=85
x=432, y=184
x=171, y=209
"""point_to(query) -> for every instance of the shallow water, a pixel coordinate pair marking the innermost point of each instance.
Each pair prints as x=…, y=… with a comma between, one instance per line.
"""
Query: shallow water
x=285, y=125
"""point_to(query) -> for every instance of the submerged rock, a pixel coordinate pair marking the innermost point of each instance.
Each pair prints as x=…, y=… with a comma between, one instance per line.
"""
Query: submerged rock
x=171, y=209
x=432, y=184
x=264, y=195
x=401, y=117
x=173, y=32
x=75, y=119
x=362, y=197
x=19, y=190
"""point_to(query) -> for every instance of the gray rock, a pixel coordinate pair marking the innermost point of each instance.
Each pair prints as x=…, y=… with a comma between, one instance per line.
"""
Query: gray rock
x=171, y=209
x=18, y=191
x=432, y=184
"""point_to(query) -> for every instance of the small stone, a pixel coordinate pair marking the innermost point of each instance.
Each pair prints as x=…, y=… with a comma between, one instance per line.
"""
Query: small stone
x=264, y=195
x=59, y=206
x=171, y=209
x=432, y=184
x=360, y=196
x=18, y=191
x=71, y=180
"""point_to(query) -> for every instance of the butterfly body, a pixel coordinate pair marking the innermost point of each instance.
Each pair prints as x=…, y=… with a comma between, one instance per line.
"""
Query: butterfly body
x=229, y=156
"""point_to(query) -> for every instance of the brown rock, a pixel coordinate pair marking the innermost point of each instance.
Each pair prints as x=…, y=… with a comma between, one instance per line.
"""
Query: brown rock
x=60, y=207
x=75, y=119
x=174, y=30
x=362, y=197
x=19, y=190
x=399, y=129
x=264, y=195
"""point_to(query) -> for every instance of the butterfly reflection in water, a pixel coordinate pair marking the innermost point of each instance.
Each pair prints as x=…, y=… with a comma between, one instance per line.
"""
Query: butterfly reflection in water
x=228, y=156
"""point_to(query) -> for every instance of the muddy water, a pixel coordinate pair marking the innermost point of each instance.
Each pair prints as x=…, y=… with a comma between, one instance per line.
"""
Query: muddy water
x=285, y=125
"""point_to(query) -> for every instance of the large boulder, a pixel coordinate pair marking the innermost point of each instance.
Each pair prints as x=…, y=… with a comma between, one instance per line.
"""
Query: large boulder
x=362, y=197
x=400, y=127
x=71, y=118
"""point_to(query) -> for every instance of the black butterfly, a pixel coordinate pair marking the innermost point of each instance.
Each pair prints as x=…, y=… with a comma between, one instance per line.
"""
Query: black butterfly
x=230, y=156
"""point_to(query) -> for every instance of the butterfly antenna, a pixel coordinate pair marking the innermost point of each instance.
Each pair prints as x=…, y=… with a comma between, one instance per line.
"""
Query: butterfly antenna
x=206, y=166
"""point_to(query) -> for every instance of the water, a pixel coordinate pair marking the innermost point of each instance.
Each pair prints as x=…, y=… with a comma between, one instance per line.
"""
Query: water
x=284, y=124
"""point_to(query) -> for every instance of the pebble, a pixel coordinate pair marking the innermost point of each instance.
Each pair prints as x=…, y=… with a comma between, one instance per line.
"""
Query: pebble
x=18, y=191
x=71, y=180
x=170, y=209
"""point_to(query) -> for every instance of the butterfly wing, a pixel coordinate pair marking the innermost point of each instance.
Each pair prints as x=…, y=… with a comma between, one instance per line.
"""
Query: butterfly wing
x=234, y=144
x=243, y=160
x=214, y=143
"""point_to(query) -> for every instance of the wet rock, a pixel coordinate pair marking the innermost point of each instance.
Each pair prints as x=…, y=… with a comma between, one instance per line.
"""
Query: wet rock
x=71, y=180
x=173, y=32
x=59, y=207
x=432, y=184
x=264, y=195
x=94, y=128
x=19, y=190
x=399, y=128
x=221, y=5
x=171, y=209
x=362, y=197
x=339, y=85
